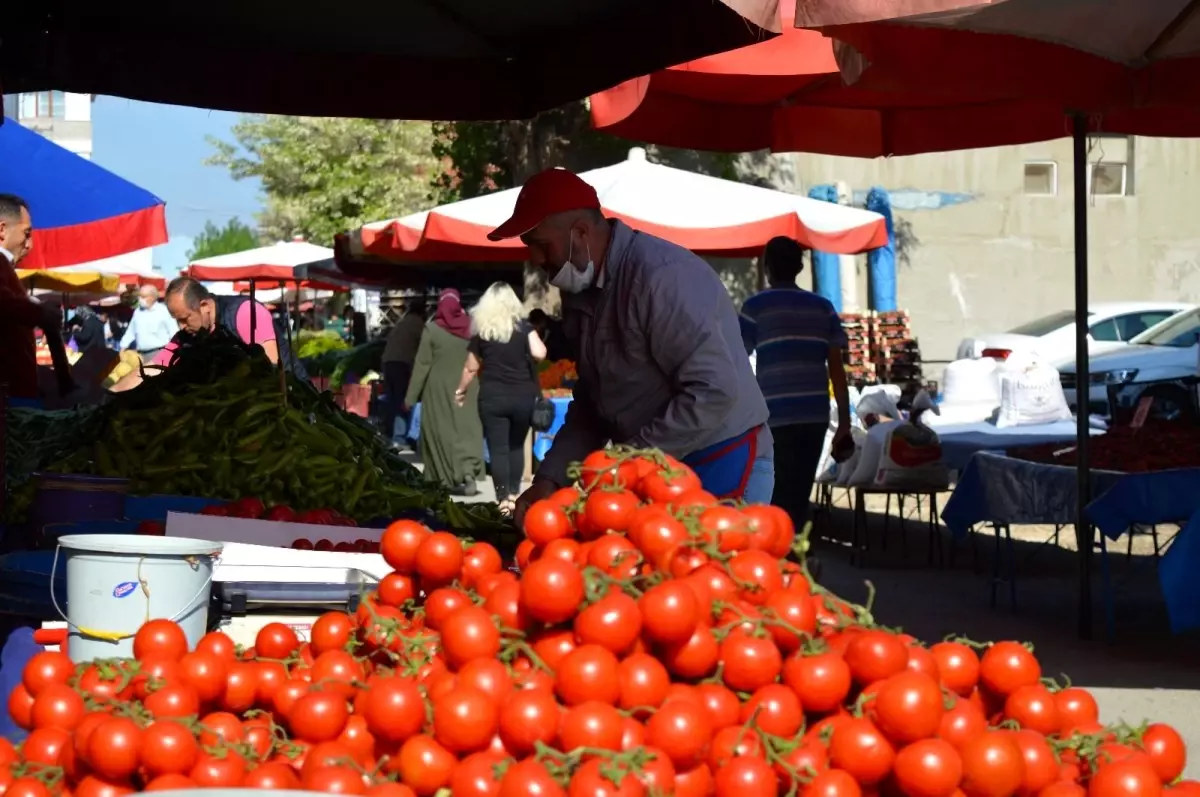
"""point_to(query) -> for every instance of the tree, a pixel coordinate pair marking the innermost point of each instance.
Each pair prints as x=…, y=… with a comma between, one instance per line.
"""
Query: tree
x=235, y=236
x=324, y=176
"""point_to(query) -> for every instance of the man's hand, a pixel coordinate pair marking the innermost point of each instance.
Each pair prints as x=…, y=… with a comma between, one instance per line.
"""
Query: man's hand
x=541, y=488
x=51, y=318
x=842, y=445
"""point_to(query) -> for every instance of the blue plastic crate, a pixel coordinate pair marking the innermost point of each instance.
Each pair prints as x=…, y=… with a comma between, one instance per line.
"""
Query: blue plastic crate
x=53, y=531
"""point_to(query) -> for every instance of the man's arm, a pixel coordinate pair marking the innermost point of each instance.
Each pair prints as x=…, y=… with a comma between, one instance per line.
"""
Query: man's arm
x=678, y=314
x=128, y=338
x=837, y=370
x=749, y=326
x=21, y=309
x=581, y=434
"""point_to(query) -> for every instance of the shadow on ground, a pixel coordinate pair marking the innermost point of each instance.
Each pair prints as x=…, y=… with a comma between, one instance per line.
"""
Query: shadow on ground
x=931, y=602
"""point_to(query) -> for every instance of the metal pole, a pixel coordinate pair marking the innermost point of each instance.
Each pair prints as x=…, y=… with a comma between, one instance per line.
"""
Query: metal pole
x=1084, y=535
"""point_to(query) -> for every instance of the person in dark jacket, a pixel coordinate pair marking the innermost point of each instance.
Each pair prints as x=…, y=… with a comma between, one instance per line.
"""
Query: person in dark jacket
x=88, y=329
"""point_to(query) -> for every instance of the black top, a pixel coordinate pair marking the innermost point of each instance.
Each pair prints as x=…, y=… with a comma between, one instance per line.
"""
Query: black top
x=505, y=366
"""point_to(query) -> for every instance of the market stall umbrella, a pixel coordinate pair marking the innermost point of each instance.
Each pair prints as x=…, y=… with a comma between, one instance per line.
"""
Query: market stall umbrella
x=705, y=214
x=58, y=281
x=1112, y=65
x=455, y=59
x=133, y=269
x=275, y=263
x=81, y=211
x=925, y=90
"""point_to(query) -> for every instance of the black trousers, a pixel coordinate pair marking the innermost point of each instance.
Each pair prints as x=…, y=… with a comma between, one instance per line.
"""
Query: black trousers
x=395, y=385
x=797, y=455
x=506, y=417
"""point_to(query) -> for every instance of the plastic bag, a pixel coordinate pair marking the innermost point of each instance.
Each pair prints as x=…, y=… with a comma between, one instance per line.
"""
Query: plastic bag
x=910, y=454
x=1031, y=394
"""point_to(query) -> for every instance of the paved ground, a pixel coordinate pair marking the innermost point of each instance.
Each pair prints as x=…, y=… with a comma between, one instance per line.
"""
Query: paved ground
x=1145, y=674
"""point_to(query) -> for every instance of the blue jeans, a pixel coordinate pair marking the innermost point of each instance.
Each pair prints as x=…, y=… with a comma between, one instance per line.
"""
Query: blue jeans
x=761, y=484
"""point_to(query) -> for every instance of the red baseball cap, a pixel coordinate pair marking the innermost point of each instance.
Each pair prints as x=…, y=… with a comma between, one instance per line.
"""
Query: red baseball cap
x=544, y=194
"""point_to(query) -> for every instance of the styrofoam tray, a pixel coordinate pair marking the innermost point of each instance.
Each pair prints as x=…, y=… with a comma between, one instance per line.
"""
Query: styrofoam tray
x=261, y=532
x=240, y=561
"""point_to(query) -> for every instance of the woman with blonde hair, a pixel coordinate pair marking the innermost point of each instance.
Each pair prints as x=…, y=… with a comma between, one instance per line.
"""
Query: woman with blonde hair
x=502, y=351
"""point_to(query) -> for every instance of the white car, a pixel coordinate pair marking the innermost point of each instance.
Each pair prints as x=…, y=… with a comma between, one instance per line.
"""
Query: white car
x=1168, y=351
x=1110, y=326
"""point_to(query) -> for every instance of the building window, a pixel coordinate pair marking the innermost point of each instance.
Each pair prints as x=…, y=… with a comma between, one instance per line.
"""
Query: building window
x=1041, y=178
x=43, y=105
x=1111, y=173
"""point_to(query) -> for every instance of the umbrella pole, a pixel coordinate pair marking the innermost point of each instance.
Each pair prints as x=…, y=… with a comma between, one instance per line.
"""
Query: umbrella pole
x=1084, y=535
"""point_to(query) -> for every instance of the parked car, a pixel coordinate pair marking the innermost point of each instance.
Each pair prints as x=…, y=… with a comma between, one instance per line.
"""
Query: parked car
x=1111, y=325
x=1168, y=351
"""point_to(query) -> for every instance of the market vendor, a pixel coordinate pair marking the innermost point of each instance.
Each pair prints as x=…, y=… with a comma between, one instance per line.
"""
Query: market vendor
x=195, y=309
x=20, y=314
x=660, y=357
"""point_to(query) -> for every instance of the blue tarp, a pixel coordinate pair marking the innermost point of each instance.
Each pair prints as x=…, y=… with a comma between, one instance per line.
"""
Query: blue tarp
x=827, y=274
x=881, y=262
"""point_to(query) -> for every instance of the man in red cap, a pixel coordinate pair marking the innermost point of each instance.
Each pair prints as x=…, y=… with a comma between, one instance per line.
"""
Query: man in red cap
x=657, y=346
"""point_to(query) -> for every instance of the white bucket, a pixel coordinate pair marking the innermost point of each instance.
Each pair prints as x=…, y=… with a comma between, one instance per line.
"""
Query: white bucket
x=116, y=582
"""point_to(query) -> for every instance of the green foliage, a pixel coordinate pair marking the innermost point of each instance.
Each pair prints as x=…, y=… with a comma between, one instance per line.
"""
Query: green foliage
x=324, y=176
x=235, y=236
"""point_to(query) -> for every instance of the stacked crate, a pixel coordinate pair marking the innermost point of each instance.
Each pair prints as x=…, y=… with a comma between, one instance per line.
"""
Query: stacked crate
x=895, y=352
x=881, y=349
x=860, y=364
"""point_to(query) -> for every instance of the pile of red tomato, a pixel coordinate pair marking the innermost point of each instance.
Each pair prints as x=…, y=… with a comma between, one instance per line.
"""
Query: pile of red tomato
x=656, y=641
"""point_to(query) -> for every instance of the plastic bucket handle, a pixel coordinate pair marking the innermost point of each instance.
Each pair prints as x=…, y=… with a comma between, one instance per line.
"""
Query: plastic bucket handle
x=117, y=636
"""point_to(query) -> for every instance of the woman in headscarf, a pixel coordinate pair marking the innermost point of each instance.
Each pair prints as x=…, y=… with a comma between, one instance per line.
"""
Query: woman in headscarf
x=451, y=434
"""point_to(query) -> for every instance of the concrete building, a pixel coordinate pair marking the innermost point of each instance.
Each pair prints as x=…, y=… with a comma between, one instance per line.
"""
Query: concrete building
x=986, y=236
x=62, y=117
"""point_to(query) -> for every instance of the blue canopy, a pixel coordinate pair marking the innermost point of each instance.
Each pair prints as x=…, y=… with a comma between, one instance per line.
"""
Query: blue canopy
x=81, y=212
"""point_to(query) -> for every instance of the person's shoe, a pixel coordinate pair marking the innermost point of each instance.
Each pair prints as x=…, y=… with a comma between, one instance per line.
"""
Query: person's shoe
x=467, y=490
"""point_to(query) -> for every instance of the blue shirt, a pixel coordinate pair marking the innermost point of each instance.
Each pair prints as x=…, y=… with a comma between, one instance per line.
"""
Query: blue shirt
x=792, y=330
x=150, y=329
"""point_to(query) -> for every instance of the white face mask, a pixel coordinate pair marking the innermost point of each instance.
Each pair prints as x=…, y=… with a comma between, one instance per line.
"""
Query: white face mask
x=571, y=279
x=142, y=303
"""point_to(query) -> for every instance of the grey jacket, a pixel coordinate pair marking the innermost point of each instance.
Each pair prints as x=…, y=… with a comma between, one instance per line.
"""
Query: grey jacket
x=659, y=355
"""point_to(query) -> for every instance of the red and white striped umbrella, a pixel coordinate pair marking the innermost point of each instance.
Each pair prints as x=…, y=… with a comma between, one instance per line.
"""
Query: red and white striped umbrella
x=705, y=214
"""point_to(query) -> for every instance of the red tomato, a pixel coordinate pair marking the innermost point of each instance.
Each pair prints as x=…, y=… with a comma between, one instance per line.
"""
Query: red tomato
x=993, y=765
x=529, y=778
x=746, y=776
x=643, y=682
x=424, y=765
x=439, y=558
x=596, y=779
x=613, y=622
x=750, y=662
x=168, y=748
x=682, y=730
x=528, y=716
x=958, y=666
x=592, y=724
x=331, y=631
x=858, y=747
x=832, y=783
x=159, y=639
x=908, y=707
x=465, y=720
x=821, y=681
x=875, y=655
x=44, y=668
x=1033, y=707
x=1166, y=749
x=399, y=544
x=394, y=708
x=670, y=612
x=318, y=716
x=775, y=710
x=928, y=768
x=551, y=591
x=57, y=706
x=1006, y=666
x=1125, y=779
x=469, y=634
x=589, y=672
x=113, y=748
x=1076, y=708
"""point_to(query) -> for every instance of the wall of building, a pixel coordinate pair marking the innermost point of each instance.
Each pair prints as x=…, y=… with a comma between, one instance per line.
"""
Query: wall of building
x=984, y=249
x=62, y=117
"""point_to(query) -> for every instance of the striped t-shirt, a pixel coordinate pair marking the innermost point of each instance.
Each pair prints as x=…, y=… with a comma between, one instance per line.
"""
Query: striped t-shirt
x=792, y=329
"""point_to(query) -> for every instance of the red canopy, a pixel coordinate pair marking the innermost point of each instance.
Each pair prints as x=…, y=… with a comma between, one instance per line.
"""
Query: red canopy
x=927, y=86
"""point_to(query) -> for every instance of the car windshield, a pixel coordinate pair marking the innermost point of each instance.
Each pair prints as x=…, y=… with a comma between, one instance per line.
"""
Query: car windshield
x=1045, y=325
x=1180, y=333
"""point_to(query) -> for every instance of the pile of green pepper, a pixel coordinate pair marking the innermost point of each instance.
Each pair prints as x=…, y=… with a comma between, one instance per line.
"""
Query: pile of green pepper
x=218, y=423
